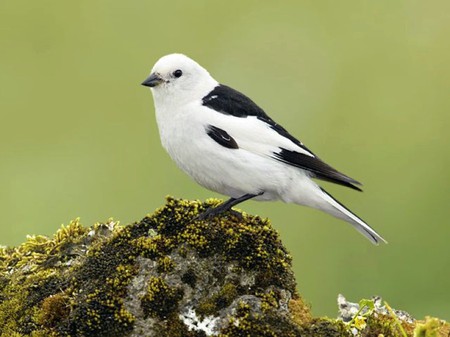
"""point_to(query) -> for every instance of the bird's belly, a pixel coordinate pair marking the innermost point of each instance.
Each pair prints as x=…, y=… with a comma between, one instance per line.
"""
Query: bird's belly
x=211, y=170
x=229, y=171
x=232, y=172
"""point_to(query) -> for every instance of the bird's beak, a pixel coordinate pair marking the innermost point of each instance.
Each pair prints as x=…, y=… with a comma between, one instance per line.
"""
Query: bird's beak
x=152, y=81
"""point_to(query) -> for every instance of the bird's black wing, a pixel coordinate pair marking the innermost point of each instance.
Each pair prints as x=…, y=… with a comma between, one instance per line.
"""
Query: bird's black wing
x=231, y=102
x=228, y=101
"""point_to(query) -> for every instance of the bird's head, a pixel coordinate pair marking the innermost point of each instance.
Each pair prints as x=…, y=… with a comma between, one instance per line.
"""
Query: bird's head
x=176, y=77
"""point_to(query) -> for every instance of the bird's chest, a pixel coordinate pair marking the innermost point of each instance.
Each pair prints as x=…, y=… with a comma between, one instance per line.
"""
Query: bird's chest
x=181, y=136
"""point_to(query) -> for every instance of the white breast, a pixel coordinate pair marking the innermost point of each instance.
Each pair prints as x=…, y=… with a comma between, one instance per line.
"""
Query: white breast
x=233, y=172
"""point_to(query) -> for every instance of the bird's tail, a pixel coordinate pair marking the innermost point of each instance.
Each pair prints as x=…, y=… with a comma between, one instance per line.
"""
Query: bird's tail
x=338, y=210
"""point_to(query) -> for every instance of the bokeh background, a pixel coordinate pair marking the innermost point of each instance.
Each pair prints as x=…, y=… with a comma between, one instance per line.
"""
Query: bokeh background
x=364, y=84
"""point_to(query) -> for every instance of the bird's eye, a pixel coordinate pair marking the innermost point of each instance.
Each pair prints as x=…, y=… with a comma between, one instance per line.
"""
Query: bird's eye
x=177, y=73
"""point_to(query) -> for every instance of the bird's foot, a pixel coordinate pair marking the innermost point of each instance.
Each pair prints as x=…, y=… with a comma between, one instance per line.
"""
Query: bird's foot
x=226, y=206
x=213, y=212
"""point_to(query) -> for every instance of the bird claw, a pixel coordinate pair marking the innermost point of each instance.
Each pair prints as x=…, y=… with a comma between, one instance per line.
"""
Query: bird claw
x=205, y=215
x=215, y=211
x=226, y=207
x=210, y=213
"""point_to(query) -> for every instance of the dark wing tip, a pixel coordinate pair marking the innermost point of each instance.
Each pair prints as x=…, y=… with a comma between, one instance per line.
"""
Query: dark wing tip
x=344, y=180
x=350, y=185
x=332, y=175
x=317, y=168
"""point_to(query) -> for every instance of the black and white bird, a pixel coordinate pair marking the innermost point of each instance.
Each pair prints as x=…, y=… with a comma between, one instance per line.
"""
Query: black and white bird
x=228, y=144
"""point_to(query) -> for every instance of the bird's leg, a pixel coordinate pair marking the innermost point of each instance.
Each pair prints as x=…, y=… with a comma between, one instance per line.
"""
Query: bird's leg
x=226, y=206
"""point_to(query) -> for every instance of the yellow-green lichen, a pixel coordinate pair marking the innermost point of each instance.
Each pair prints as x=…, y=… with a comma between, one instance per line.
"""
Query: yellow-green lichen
x=83, y=273
x=250, y=241
x=165, y=264
x=160, y=299
x=381, y=325
x=41, y=280
x=29, y=275
x=221, y=299
x=247, y=323
x=89, y=281
x=300, y=311
x=325, y=327
x=432, y=327
x=54, y=309
x=176, y=328
x=269, y=300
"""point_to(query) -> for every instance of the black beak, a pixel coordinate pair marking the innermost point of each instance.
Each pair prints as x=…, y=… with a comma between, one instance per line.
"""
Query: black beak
x=152, y=81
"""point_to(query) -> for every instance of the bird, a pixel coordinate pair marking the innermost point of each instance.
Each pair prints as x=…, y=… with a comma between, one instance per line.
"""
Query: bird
x=228, y=144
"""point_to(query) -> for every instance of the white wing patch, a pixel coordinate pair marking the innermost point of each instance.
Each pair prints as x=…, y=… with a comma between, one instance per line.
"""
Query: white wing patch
x=254, y=135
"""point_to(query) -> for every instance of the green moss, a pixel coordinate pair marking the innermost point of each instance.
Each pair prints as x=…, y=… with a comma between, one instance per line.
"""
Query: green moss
x=29, y=274
x=226, y=295
x=251, y=241
x=41, y=279
x=176, y=328
x=206, y=307
x=381, y=325
x=103, y=278
x=153, y=247
x=80, y=281
x=371, y=321
x=324, y=327
x=300, y=311
x=75, y=283
x=160, y=299
x=11, y=310
x=54, y=309
x=432, y=327
x=247, y=323
x=269, y=300
x=223, y=298
x=165, y=265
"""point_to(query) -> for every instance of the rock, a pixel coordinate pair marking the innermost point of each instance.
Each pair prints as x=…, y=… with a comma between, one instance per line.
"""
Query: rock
x=167, y=275
x=171, y=275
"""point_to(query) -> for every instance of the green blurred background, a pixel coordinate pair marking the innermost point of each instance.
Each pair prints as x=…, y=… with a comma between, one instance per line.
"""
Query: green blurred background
x=365, y=84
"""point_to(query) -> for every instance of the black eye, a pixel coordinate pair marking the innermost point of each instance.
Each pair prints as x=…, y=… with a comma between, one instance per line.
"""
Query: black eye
x=177, y=73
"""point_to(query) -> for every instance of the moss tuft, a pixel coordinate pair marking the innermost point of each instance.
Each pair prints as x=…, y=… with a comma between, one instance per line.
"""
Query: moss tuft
x=223, y=298
x=165, y=264
x=324, y=327
x=54, y=309
x=382, y=325
x=41, y=282
x=247, y=323
x=176, y=328
x=160, y=299
x=432, y=327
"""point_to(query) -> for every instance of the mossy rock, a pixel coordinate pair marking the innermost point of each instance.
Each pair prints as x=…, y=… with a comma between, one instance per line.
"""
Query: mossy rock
x=169, y=275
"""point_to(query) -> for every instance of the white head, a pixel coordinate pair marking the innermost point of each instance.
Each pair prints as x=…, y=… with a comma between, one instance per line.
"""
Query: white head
x=176, y=78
